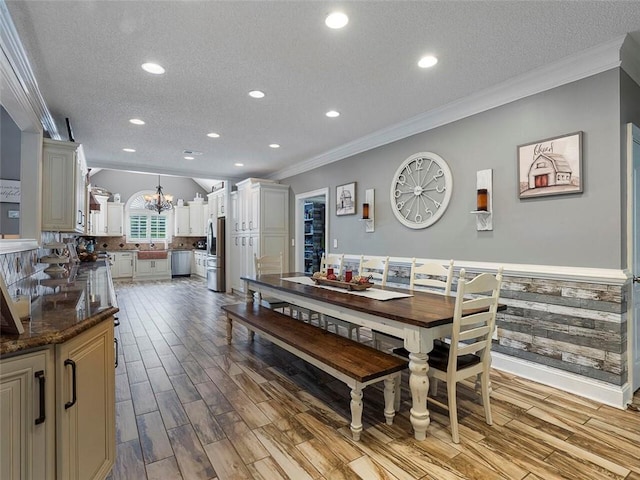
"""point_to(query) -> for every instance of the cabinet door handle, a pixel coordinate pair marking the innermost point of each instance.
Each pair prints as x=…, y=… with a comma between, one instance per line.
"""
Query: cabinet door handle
x=115, y=341
x=222, y=209
x=41, y=380
x=79, y=217
x=74, y=391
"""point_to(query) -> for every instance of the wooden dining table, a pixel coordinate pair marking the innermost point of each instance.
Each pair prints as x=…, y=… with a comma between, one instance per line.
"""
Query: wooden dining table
x=418, y=319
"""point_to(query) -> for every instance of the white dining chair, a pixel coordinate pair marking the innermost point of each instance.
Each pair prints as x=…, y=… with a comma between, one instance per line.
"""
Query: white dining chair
x=469, y=353
x=428, y=276
x=267, y=264
x=332, y=260
x=376, y=268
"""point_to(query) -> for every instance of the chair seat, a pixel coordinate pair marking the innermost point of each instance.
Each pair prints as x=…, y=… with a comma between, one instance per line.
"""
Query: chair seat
x=439, y=357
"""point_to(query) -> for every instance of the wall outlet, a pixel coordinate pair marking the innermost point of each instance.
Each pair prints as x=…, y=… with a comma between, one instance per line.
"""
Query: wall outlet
x=335, y=243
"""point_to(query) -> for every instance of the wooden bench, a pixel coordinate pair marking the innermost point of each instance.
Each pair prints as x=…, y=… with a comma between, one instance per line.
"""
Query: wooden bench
x=353, y=363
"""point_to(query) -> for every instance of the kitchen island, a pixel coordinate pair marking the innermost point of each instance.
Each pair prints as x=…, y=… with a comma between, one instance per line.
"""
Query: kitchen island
x=57, y=379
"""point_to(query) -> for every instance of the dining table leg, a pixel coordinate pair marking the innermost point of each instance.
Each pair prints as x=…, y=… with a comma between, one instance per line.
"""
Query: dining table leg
x=419, y=385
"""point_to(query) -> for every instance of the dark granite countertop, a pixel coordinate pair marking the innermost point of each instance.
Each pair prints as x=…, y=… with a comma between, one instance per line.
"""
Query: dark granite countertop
x=63, y=305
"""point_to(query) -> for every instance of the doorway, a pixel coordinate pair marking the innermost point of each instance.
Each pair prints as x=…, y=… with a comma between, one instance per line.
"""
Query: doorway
x=633, y=154
x=311, y=229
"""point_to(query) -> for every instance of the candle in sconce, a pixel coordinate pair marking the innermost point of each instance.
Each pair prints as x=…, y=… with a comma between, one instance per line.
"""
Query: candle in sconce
x=482, y=200
x=365, y=211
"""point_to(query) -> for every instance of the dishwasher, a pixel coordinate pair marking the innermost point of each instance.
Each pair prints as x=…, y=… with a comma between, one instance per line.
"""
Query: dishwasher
x=181, y=263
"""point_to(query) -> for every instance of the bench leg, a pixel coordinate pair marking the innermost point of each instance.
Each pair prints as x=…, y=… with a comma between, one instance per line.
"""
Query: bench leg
x=389, y=399
x=252, y=335
x=356, y=412
x=229, y=328
x=398, y=387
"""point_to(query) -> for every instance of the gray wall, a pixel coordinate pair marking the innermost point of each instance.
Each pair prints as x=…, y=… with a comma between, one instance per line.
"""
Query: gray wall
x=10, y=138
x=629, y=113
x=571, y=230
x=127, y=183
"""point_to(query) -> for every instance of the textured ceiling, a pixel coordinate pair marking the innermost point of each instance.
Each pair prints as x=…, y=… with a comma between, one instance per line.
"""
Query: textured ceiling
x=86, y=56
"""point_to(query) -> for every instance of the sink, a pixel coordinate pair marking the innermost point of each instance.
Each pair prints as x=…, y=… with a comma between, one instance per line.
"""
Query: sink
x=153, y=254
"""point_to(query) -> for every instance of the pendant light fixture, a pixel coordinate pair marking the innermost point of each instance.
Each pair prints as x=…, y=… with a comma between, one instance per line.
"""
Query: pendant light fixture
x=158, y=202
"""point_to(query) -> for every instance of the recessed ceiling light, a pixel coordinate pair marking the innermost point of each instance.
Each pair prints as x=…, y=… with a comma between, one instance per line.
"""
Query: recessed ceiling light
x=153, y=68
x=213, y=135
x=274, y=145
x=239, y=164
x=332, y=114
x=256, y=94
x=336, y=20
x=129, y=150
x=427, y=61
x=136, y=121
x=189, y=158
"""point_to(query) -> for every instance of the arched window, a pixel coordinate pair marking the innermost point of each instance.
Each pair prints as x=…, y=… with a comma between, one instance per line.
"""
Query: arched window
x=145, y=226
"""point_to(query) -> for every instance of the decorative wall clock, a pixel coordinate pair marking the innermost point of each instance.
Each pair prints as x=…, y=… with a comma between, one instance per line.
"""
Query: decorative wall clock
x=421, y=189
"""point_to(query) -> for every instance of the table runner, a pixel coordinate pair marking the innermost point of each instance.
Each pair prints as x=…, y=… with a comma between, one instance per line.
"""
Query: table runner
x=373, y=293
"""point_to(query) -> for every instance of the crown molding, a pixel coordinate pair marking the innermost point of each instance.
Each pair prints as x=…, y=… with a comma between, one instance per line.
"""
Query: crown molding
x=17, y=60
x=570, y=69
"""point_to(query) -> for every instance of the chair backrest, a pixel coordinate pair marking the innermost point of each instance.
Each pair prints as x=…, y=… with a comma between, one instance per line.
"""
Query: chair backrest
x=378, y=268
x=268, y=264
x=472, y=330
x=431, y=275
x=334, y=261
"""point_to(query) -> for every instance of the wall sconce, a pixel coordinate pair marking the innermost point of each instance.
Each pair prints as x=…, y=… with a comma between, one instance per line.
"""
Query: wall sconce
x=367, y=210
x=484, y=200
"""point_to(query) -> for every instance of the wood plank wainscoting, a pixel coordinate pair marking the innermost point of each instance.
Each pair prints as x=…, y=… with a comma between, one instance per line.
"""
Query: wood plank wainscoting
x=190, y=406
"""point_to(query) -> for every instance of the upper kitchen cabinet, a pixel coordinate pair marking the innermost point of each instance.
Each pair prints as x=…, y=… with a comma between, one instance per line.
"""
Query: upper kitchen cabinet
x=115, y=218
x=64, y=200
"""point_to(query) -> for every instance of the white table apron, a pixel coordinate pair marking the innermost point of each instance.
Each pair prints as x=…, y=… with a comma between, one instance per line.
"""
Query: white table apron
x=417, y=340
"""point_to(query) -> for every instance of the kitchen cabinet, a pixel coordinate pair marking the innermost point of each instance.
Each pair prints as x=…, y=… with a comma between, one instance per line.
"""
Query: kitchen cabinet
x=217, y=201
x=27, y=416
x=157, y=269
x=181, y=220
x=115, y=219
x=57, y=409
x=197, y=219
x=98, y=218
x=121, y=264
x=64, y=190
x=85, y=406
x=260, y=225
x=199, y=263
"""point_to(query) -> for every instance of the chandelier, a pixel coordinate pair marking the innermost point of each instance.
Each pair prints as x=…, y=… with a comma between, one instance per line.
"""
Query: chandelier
x=158, y=202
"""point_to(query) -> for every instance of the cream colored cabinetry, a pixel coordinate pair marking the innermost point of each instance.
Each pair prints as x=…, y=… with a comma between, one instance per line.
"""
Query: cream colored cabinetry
x=27, y=416
x=181, y=221
x=121, y=264
x=159, y=269
x=57, y=409
x=98, y=218
x=199, y=263
x=64, y=192
x=197, y=219
x=115, y=219
x=260, y=225
x=85, y=406
x=217, y=201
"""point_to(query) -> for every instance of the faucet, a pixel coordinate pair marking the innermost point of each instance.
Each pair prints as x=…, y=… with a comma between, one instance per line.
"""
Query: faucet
x=152, y=246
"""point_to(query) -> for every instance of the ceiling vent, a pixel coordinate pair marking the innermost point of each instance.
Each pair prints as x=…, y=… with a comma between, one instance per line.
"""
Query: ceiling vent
x=191, y=152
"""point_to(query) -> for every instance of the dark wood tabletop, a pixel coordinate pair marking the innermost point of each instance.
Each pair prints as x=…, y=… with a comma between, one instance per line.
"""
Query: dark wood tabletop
x=423, y=309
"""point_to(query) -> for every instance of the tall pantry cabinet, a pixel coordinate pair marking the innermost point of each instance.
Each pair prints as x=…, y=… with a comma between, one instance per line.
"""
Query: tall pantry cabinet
x=259, y=225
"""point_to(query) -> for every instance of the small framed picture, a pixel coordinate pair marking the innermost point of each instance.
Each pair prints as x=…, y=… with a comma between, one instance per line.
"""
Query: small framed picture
x=550, y=167
x=346, y=199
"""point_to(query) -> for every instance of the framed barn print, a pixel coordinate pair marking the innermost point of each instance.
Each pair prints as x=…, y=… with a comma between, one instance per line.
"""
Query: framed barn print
x=550, y=167
x=346, y=199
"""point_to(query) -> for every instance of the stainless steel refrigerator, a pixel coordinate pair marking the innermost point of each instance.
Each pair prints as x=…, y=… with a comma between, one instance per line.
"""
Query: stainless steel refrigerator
x=216, y=255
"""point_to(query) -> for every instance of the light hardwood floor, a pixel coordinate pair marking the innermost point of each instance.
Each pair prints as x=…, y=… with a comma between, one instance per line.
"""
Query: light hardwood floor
x=190, y=406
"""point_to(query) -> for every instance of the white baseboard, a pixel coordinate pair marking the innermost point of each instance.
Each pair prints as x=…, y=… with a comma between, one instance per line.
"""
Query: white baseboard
x=609, y=394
